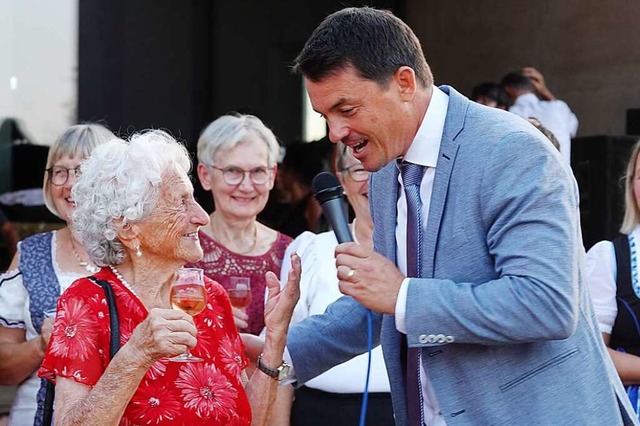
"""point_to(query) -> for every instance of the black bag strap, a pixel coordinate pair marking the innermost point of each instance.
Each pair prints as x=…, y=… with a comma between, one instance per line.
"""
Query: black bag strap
x=114, y=346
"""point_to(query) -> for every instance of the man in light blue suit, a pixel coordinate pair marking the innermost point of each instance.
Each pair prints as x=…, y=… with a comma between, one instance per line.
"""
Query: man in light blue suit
x=500, y=318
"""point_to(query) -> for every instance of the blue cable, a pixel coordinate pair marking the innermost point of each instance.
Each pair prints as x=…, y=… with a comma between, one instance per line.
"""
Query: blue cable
x=365, y=394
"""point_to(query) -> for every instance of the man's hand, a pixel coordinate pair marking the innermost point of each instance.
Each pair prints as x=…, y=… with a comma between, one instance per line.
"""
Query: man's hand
x=368, y=277
x=537, y=79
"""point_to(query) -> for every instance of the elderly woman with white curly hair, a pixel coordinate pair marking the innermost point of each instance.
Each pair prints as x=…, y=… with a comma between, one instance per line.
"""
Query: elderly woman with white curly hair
x=138, y=219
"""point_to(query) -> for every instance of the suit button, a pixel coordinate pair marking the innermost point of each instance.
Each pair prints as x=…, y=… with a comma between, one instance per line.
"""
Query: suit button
x=423, y=338
x=432, y=338
x=441, y=338
x=449, y=339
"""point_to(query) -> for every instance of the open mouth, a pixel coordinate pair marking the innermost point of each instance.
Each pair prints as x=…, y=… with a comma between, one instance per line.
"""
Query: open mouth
x=192, y=235
x=359, y=147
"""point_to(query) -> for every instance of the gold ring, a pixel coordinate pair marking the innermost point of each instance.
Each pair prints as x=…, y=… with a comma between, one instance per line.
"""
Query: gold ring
x=351, y=273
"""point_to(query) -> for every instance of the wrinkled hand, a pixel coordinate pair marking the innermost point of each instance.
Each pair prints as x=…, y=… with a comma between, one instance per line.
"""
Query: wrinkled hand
x=537, y=79
x=240, y=318
x=165, y=332
x=280, y=303
x=370, y=278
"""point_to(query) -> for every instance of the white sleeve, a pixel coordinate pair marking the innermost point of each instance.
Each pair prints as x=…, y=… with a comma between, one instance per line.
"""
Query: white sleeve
x=299, y=245
x=600, y=275
x=13, y=298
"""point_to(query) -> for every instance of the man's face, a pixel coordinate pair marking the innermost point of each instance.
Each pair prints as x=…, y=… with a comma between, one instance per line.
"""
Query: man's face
x=363, y=115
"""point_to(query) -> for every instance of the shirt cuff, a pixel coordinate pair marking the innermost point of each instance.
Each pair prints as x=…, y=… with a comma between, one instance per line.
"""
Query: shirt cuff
x=291, y=377
x=401, y=306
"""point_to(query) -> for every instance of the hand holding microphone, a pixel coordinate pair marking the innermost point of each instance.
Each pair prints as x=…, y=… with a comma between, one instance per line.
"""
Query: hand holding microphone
x=367, y=276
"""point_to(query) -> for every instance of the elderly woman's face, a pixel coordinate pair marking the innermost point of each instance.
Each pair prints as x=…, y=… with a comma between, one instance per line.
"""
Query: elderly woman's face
x=61, y=192
x=171, y=230
x=247, y=198
x=355, y=181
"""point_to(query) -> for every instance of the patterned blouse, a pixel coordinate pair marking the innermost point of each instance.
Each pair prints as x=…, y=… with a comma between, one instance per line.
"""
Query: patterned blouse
x=220, y=264
x=171, y=393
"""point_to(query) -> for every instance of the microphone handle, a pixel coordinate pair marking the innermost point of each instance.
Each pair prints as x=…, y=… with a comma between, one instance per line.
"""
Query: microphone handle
x=334, y=210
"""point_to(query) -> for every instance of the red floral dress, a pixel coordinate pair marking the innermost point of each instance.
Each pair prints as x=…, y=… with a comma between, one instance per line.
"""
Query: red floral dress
x=171, y=393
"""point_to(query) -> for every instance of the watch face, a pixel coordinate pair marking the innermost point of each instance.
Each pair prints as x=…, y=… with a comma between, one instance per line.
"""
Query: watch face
x=284, y=372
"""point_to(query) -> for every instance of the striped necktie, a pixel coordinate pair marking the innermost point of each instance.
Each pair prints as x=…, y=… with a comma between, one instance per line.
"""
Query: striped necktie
x=411, y=179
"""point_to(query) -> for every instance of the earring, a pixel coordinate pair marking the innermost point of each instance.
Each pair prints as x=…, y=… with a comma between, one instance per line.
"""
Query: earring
x=138, y=251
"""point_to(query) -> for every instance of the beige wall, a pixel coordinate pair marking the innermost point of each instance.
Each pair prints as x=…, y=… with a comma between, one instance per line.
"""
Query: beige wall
x=38, y=65
x=588, y=50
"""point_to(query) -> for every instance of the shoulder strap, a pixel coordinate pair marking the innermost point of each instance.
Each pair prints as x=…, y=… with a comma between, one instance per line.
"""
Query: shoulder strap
x=114, y=346
x=623, y=263
x=114, y=321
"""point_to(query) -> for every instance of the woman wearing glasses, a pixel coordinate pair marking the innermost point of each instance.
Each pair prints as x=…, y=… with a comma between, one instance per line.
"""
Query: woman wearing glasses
x=334, y=397
x=237, y=156
x=44, y=266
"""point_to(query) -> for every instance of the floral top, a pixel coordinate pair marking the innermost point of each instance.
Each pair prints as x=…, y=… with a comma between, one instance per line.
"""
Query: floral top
x=219, y=264
x=171, y=393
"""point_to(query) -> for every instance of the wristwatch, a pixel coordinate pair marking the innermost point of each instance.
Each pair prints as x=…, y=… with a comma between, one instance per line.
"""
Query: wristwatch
x=279, y=373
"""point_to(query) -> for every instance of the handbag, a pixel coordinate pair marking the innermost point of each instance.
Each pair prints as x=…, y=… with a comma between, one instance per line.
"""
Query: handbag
x=114, y=346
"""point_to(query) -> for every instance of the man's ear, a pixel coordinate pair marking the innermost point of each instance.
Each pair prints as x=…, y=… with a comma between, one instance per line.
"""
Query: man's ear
x=204, y=176
x=405, y=78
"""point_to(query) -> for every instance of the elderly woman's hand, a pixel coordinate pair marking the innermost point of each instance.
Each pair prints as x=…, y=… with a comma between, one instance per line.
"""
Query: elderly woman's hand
x=165, y=332
x=280, y=303
x=240, y=317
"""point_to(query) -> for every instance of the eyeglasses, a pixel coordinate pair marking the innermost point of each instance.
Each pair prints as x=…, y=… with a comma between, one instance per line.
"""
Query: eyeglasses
x=357, y=172
x=59, y=175
x=235, y=175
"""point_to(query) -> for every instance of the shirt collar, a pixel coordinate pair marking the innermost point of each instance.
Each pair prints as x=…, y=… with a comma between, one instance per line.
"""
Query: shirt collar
x=527, y=99
x=426, y=144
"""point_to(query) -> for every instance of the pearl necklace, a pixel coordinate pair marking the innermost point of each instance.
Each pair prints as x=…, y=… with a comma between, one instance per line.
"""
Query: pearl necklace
x=122, y=280
x=86, y=265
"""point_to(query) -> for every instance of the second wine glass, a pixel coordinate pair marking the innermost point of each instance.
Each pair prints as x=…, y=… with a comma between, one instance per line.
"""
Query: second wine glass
x=188, y=295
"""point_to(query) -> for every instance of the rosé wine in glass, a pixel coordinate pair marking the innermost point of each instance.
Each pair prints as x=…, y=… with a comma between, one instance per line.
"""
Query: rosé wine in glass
x=188, y=295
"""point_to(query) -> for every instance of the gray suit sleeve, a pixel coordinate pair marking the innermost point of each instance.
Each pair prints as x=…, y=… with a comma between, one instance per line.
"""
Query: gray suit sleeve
x=519, y=278
x=323, y=341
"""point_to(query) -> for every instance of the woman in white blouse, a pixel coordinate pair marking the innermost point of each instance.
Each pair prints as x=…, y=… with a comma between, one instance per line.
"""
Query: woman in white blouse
x=335, y=397
x=44, y=266
x=615, y=286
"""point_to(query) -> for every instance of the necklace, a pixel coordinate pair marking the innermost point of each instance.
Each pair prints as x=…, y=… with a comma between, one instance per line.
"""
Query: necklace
x=122, y=280
x=86, y=265
x=217, y=236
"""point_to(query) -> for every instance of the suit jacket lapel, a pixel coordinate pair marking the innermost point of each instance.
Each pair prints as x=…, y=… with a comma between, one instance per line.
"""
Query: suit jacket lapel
x=454, y=123
x=384, y=183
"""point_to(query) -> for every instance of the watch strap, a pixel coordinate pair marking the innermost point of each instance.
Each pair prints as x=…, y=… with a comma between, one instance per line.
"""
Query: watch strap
x=271, y=372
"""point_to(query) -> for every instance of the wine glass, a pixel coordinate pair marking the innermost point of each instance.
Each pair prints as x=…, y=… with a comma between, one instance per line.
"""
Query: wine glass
x=239, y=291
x=189, y=296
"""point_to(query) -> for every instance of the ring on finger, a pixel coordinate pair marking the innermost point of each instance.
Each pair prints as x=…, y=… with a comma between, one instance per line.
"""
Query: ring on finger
x=351, y=273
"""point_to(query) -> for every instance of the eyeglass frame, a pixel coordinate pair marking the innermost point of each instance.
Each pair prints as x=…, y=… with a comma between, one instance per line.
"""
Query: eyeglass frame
x=351, y=173
x=76, y=173
x=224, y=171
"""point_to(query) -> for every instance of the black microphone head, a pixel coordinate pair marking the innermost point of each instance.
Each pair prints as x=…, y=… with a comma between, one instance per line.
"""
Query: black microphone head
x=325, y=186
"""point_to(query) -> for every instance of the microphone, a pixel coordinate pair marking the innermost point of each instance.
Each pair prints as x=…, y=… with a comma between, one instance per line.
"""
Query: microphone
x=328, y=192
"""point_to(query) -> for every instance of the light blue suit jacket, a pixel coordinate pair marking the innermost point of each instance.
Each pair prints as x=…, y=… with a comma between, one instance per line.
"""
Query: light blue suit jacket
x=502, y=283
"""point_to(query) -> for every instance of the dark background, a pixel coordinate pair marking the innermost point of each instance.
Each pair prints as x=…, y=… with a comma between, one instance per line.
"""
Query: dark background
x=178, y=65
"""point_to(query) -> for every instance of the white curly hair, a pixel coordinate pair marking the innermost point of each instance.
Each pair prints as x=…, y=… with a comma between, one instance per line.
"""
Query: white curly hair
x=120, y=184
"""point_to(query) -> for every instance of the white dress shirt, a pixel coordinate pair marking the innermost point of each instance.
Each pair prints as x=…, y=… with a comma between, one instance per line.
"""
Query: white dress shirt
x=424, y=151
x=601, y=271
x=555, y=115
